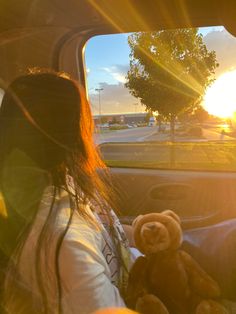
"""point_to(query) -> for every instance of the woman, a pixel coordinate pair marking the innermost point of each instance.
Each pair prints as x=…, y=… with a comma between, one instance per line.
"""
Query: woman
x=66, y=249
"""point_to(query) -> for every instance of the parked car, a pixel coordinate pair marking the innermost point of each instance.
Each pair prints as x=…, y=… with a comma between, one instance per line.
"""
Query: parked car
x=152, y=121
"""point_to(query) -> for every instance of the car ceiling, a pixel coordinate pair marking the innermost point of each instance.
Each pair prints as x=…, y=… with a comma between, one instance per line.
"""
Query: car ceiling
x=120, y=16
x=47, y=33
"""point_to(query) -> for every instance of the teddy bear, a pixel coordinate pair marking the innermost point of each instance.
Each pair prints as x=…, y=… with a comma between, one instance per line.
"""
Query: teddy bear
x=166, y=279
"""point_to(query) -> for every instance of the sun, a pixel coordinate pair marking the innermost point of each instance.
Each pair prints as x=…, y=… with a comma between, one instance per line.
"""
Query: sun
x=220, y=97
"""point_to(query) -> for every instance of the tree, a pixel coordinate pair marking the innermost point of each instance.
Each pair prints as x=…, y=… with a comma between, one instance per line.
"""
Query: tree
x=200, y=114
x=169, y=70
x=114, y=121
x=104, y=120
x=148, y=116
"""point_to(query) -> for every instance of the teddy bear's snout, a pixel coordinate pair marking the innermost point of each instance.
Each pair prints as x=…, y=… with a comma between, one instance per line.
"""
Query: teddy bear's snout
x=152, y=232
x=155, y=237
x=152, y=227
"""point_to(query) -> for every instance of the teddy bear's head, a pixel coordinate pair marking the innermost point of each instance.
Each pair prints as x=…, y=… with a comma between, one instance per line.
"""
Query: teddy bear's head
x=157, y=232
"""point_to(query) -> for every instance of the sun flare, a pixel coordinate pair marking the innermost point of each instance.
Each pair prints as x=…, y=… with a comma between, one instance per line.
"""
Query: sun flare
x=220, y=98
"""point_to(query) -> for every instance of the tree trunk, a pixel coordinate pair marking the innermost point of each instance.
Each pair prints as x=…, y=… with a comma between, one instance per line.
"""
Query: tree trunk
x=172, y=127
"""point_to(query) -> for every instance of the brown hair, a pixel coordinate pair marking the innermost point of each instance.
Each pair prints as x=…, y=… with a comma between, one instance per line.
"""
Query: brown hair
x=45, y=124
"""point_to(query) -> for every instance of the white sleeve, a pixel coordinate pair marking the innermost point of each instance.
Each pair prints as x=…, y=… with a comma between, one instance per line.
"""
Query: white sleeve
x=85, y=273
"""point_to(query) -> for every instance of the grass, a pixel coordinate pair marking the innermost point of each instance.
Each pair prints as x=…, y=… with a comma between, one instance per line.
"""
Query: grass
x=206, y=156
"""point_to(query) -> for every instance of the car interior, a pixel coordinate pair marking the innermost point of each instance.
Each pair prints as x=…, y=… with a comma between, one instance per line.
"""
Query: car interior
x=54, y=34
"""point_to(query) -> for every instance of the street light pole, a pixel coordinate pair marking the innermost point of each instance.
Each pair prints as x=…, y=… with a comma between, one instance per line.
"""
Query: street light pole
x=99, y=100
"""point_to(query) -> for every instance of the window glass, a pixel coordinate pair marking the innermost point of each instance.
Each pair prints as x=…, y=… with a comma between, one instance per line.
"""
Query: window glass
x=164, y=99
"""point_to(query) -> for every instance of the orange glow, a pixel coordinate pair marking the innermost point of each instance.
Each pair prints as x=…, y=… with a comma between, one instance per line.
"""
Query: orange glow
x=3, y=209
x=220, y=98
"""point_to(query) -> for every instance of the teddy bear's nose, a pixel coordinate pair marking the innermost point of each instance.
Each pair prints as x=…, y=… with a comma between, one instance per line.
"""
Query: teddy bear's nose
x=152, y=227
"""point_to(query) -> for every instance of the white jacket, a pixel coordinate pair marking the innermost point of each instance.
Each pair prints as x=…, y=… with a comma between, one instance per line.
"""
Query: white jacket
x=84, y=272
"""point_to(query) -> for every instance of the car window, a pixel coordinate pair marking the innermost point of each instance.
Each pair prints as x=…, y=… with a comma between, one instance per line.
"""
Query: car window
x=164, y=99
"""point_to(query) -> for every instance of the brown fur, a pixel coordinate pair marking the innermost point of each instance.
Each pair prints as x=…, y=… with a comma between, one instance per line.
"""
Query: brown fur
x=173, y=279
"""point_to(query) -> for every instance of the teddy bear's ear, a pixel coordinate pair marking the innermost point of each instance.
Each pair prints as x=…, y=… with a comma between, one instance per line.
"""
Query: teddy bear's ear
x=172, y=214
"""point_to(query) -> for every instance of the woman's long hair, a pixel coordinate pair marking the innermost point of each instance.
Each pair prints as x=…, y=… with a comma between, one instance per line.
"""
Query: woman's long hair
x=46, y=132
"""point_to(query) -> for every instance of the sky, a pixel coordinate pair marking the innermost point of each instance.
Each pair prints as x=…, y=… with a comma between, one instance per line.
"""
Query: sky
x=107, y=62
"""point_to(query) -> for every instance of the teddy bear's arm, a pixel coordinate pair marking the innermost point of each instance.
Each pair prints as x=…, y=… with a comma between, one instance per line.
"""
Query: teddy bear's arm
x=199, y=280
x=137, y=283
x=150, y=304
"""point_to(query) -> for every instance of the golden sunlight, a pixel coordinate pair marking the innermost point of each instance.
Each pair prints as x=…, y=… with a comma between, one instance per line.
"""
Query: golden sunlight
x=3, y=209
x=220, y=98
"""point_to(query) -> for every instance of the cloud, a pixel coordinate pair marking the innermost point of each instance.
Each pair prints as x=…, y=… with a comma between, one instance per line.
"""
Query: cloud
x=118, y=72
x=225, y=46
x=114, y=98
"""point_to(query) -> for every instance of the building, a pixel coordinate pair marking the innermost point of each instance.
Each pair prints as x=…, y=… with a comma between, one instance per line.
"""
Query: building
x=122, y=118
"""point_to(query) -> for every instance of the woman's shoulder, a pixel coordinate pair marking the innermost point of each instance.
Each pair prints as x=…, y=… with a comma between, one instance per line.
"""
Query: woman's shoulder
x=56, y=217
x=76, y=230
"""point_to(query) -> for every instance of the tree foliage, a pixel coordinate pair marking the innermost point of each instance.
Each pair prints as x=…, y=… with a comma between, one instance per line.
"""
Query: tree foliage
x=169, y=70
x=200, y=114
x=148, y=116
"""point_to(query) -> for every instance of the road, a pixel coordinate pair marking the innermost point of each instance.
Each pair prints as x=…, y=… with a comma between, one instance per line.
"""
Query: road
x=128, y=135
x=214, y=132
x=183, y=155
x=151, y=134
